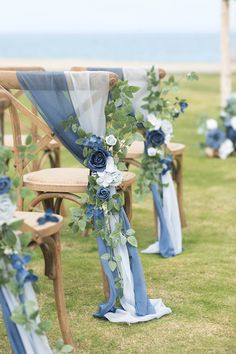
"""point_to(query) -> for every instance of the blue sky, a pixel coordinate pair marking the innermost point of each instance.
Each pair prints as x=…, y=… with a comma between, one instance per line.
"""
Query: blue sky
x=112, y=15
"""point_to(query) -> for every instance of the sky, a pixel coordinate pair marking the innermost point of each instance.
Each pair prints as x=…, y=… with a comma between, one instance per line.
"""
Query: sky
x=112, y=16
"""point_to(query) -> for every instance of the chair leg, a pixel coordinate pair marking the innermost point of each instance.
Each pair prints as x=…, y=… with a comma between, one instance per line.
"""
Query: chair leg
x=106, y=289
x=52, y=254
x=128, y=202
x=179, y=183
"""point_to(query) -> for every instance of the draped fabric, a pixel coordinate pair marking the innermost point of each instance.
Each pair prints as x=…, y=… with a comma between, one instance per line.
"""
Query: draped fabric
x=169, y=238
x=85, y=95
x=22, y=341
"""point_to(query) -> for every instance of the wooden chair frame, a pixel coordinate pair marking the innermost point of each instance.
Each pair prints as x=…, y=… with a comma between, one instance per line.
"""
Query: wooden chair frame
x=52, y=153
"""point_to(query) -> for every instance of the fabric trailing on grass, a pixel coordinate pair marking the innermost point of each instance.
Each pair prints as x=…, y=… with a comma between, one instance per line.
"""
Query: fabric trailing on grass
x=58, y=96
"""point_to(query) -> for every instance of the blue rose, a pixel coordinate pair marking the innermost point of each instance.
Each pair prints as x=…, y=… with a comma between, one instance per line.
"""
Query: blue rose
x=155, y=138
x=166, y=164
x=231, y=134
x=183, y=106
x=94, y=142
x=103, y=193
x=5, y=184
x=215, y=137
x=98, y=160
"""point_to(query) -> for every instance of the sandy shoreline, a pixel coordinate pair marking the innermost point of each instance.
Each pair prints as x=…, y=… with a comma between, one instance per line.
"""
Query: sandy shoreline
x=66, y=64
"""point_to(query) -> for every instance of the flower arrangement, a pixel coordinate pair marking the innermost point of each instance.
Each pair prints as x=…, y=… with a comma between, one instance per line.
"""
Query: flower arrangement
x=220, y=136
x=103, y=156
x=163, y=108
x=15, y=257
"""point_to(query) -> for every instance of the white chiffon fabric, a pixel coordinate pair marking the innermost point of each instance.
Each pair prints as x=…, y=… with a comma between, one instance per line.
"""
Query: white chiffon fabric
x=127, y=314
x=137, y=77
x=89, y=98
x=172, y=217
x=33, y=343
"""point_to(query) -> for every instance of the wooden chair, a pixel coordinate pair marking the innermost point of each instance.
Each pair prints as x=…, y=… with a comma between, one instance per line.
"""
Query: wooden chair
x=51, y=152
x=52, y=185
x=47, y=237
x=136, y=150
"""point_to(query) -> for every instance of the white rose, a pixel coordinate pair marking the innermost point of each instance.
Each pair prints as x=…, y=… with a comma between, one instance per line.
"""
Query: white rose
x=110, y=165
x=168, y=138
x=226, y=148
x=151, y=151
x=111, y=140
x=156, y=122
x=117, y=178
x=211, y=124
x=233, y=122
x=111, y=176
x=7, y=209
x=167, y=127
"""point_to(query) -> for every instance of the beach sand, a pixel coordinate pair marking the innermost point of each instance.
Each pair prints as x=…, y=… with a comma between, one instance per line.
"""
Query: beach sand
x=66, y=64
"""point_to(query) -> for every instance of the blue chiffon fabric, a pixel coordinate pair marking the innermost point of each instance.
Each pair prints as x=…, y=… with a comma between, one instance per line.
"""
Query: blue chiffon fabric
x=48, y=91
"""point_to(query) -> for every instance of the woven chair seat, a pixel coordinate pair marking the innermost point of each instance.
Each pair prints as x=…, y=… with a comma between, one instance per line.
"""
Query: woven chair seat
x=8, y=141
x=136, y=150
x=38, y=231
x=73, y=180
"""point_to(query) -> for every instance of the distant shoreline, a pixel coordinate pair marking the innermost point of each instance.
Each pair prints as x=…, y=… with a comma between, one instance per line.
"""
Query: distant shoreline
x=66, y=64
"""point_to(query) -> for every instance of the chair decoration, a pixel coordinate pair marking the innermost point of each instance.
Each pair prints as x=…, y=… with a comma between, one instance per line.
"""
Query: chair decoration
x=74, y=106
x=25, y=330
x=155, y=110
x=220, y=137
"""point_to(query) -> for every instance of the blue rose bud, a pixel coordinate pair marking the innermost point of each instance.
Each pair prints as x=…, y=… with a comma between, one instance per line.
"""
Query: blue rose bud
x=98, y=160
x=183, y=106
x=5, y=184
x=103, y=193
x=155, y=138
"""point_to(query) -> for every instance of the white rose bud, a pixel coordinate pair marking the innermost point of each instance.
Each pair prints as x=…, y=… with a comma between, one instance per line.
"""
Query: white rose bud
x=111, y=140
x=151, y=151
x=233, y=122
x=226, y=148
x=156, y=122
x=211, y=124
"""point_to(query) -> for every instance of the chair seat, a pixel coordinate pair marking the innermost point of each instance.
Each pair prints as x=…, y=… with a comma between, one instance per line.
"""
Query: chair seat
x=8, y=141
x=74, y=180
x=38, y=231
x=136, y=150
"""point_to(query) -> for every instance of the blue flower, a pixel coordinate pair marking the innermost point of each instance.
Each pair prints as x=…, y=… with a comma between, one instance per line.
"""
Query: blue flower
x=183, y=106
x=94, y=142
x=155, y=138
x=166, y=164
x=48, y=216
x=97, y=160
x=215, y=137
x=103, y=193
x=5, y=184
x=231, y=134
x=94, y=212
x=89, y=211
x=22, y=274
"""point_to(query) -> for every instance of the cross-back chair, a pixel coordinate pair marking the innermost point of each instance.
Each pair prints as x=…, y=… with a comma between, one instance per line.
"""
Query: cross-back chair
x=51, y=152
x=136, y=150
x=47, y=237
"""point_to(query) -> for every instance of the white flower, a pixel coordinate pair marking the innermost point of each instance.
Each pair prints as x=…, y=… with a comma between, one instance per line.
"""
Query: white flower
x=226, y=148
x=167, y=127
x=151, y=151
x=156, y=122
x=111, y=176
x=7, y=209
x=111, y=140
x=211, y=124
x=8, y=251
x=233, y=122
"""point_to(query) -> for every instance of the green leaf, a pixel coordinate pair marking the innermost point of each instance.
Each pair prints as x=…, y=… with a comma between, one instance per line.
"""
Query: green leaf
x=130, y=232
x=132, y=240
x=15, y=225
x=106, y=256
x=191, y=76
x=67, y=349
x=16, y=181
x=28, y=139
x=25, y=239
x=112, y=265
x=82, y=224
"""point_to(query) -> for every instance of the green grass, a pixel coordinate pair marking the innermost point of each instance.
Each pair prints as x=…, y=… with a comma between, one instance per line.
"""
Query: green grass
x=198, y=285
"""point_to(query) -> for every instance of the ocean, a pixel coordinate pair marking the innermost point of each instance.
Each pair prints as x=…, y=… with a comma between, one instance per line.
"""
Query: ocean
x=162, y=47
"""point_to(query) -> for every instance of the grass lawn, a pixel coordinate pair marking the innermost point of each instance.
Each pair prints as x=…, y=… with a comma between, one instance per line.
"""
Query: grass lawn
x=198, y=285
